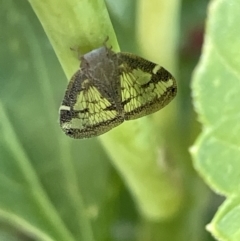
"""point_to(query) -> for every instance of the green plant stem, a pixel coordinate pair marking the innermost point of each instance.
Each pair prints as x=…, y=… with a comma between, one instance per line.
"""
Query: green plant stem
x=85, y=25
x=74, y=24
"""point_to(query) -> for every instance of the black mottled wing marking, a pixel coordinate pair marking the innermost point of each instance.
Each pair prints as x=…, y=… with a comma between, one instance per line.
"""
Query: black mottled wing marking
x=84, y=112
x=146, y=87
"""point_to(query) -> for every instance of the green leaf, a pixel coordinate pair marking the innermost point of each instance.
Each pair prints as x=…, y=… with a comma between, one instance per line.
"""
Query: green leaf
x=225, y=225
x=216, y=91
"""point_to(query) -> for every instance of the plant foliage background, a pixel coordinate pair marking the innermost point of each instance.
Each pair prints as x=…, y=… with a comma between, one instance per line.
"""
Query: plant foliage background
x=53, y=188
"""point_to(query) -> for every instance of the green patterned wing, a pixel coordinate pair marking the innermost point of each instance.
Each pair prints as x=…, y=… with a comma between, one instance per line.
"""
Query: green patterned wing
x=84, y=111
x=146, y=87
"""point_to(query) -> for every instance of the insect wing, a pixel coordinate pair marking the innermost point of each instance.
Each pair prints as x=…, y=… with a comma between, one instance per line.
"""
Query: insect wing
x=146, y=87
x=84, y=112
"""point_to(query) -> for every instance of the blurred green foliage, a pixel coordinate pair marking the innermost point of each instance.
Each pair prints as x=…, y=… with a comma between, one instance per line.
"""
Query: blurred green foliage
x=216, y=153
x=54, y=188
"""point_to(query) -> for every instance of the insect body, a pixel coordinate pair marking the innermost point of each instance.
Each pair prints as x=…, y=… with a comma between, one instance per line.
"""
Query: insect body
x=112, y=87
